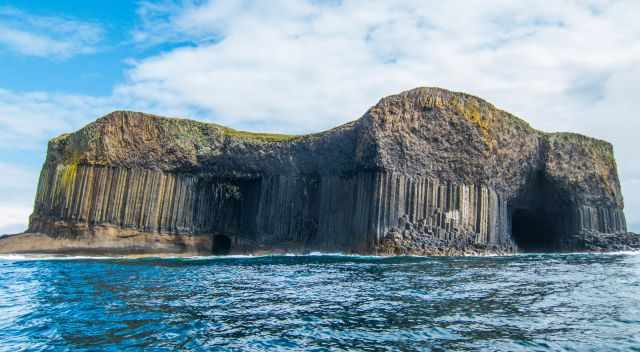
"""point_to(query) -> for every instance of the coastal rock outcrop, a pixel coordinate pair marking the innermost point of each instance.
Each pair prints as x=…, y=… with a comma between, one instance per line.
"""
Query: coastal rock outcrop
x=427, y=171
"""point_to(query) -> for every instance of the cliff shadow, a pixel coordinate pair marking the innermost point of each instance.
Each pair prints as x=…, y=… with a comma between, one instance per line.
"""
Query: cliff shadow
x=533, y=231
x=221, y=245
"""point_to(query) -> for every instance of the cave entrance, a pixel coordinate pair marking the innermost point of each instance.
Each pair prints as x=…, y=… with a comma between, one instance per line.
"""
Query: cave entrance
x=533, y=230
x=221, y=245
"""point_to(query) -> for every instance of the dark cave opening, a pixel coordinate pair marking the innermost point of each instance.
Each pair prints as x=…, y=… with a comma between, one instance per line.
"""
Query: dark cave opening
x=533, y=231
x=221, y=245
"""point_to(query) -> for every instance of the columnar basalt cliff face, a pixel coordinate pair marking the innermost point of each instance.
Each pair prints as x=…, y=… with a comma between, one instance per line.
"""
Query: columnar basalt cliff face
x=427, y=171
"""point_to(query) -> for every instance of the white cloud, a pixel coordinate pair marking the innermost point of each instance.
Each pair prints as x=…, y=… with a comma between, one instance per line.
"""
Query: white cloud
x=28, y=120
x=13, y=219
x=17, y=187
x=159, y=21
x=42, y=36
x=18, y=177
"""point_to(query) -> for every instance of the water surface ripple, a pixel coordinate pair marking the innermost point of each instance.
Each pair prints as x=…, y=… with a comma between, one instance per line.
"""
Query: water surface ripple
x=575, y=302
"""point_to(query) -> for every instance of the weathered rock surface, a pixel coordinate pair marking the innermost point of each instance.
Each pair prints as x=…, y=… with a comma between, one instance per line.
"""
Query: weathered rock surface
x=427, y=171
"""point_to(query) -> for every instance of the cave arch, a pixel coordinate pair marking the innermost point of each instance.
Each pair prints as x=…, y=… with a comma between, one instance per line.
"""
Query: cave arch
x=221, y=245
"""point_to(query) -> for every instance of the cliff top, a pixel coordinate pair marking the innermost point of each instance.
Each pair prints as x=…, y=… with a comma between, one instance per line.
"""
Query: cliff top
x=474, y=109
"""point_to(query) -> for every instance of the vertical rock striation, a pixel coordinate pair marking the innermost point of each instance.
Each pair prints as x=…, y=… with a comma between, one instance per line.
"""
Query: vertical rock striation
x=427, y=171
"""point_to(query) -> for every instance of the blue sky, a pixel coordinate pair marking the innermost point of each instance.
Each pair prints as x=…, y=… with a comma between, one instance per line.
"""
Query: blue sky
x=302, y=66
x=93, y=74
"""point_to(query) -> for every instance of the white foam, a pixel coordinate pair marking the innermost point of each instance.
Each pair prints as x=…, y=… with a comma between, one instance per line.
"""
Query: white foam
x=209, y=257
x=27, y=257
x=35, y=257
x=637, y=252
x=24, y=257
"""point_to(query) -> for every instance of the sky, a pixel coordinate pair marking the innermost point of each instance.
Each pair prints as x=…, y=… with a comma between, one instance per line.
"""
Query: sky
x=305, y=66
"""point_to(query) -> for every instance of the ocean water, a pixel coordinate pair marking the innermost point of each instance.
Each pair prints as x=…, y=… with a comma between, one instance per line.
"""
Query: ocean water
x=573, y=302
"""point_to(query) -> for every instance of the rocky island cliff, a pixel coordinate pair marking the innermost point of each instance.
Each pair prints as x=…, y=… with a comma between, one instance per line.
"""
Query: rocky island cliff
x=427, y=171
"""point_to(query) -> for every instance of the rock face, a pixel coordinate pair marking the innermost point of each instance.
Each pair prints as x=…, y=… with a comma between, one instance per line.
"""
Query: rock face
x=427, y=171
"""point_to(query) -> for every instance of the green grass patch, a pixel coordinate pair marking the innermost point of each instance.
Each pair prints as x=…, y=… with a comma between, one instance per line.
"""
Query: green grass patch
x=263, y=137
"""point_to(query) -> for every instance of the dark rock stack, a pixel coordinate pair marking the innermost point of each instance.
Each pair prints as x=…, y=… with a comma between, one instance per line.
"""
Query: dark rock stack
x=427, y=171
x=422, y=238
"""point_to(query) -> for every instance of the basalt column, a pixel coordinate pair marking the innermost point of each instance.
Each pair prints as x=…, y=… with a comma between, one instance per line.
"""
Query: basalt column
x=138, y=199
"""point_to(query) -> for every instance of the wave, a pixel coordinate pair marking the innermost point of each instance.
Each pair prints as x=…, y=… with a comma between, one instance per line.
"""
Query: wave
x=631, y=252
x=22, y=257
x=47, y=257
x=26, y=257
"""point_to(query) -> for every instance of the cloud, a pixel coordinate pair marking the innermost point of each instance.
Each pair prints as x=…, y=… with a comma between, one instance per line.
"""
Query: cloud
x=165, y=22
x=43, y=36
x=28, y=120
x=12, y=229
x=13, y=219
x=17, y=186
x=18, y=177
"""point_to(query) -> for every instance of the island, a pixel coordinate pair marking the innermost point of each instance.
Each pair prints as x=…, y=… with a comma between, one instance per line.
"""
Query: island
x=424, y=172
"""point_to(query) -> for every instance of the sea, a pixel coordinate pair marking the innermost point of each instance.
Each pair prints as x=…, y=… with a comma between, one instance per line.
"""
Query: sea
x=321, y=302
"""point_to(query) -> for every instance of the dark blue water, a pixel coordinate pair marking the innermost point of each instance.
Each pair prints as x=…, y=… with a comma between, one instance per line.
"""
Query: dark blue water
x=322, y=303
